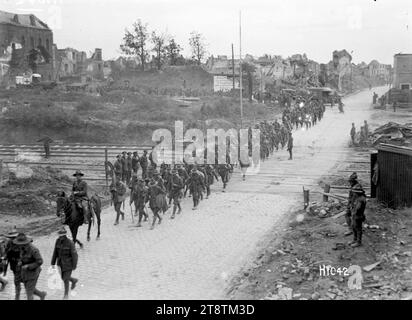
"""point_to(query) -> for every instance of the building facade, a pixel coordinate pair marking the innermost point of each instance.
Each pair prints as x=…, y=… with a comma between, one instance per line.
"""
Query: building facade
x=402, y=72
x=26, y=45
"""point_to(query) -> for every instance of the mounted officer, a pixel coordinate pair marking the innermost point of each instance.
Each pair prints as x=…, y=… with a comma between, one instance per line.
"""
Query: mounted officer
x=81, y=200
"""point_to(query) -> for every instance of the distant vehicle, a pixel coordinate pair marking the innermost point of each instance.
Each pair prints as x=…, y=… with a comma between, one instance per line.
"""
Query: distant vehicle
x=327, y=95
x=27, y=80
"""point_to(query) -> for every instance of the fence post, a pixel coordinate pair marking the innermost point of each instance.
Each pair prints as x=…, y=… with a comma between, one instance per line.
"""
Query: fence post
x=326, y=189
x=105, y=168
x=1, y=172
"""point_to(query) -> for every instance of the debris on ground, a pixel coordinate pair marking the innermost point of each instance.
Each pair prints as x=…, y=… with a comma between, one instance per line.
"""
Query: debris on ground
x=393, y=133
x=325, y=209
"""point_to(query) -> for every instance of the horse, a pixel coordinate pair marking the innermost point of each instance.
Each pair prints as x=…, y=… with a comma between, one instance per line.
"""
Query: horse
x=74, y=218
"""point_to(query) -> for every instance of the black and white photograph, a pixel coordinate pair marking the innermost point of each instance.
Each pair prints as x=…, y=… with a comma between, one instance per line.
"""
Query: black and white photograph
x=233, y=152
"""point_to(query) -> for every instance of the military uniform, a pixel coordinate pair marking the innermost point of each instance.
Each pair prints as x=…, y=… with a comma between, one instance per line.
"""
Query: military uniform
x=290, y=146
x=144, y=163
x=80, y=197
x=196, y=185
x=65, y=255
x=29, y=268
x=124, y=167
x=176, y=187
x=128, y=168
x=118, y=191
x=118, y=168
x=139, y=195
x=358, y=215
x=135, y=163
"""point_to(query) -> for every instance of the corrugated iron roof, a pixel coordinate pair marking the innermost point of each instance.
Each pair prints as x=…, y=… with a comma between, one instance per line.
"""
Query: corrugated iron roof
x=394, y=149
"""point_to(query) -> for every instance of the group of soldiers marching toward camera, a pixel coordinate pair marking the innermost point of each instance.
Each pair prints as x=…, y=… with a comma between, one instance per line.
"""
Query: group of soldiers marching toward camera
x=160, y=187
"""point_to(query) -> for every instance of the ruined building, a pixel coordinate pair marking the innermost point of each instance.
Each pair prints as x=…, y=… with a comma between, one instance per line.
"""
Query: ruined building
x=26, y=45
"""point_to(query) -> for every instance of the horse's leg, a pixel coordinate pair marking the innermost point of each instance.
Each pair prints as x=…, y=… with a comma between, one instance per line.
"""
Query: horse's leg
x=74, y=234
x=88, y=229
x=98, y=224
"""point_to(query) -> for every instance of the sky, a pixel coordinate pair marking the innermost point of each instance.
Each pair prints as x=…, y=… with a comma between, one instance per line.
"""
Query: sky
x=367, y=28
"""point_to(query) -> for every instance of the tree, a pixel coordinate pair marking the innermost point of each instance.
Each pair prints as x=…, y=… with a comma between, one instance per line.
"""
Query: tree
x=173, y=51
x=134, y=43
x=198, y=46
x=159, y=42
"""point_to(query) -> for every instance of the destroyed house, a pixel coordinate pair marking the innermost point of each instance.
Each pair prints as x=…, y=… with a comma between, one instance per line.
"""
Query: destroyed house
x=26, y=43
x=393, y=177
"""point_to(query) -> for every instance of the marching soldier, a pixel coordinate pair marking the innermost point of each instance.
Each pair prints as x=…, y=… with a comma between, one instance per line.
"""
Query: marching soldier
x=196, y=186
x=176, y=192
x=139, y=195
x=3, y=262
x=65, y=255
x=118, y=191
x=80, y=195
x=11, y=258
x=156, y=198
x=290, y=145
x=144, y=163
x=135, y=163
x=28, y=266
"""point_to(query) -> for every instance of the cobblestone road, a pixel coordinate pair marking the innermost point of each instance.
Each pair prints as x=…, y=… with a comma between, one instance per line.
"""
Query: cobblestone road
x=195, y=255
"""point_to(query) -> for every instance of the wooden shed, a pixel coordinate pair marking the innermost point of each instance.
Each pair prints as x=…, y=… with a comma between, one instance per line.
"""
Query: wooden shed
x=393, y=175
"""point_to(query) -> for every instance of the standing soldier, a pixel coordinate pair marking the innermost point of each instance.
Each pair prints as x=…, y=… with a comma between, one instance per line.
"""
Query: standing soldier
x=353, y=133
x=135, y=163
x=124, y=166
x=11, y=258
x=118, y=190
x=353, y=181
x=118, y=167
x=65, y=256
x=358, y=214
x=143, y=163
x=28, y=265
x=80, y=195
x=128, y=167
x=290, y=145
x=176, y=187
x=366, y=128
x=46, y=143
x=196, y=186
x=139, y=195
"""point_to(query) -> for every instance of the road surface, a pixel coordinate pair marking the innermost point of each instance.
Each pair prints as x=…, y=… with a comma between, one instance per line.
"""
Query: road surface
x=195, y=255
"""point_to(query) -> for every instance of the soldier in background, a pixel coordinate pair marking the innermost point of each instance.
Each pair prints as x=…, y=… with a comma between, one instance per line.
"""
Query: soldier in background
x=124, y=166
x=353, y=133
x=65, y=255
x=118, y=167
x=176, y=192
x=46, y=143
x=118, y=191
x=290, y=145
x=196, y=186
x=144, y=163
x=135, y=162
x=128, y=167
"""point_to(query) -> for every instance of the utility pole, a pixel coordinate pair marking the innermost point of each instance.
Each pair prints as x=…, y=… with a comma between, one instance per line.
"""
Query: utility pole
x=240, y=69
x=233, y=68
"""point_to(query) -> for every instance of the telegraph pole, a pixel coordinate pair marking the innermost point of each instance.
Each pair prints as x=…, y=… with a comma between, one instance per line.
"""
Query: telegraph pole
x=233, y=68
x=240, y=69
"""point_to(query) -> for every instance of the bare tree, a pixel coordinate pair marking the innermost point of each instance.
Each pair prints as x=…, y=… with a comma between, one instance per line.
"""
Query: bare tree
x=135, y=42
x=173, y=51
x=198, y=46
x=159, y=42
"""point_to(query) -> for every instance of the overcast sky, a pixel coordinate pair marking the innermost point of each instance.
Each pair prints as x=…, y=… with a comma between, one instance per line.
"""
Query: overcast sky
x=371, y=29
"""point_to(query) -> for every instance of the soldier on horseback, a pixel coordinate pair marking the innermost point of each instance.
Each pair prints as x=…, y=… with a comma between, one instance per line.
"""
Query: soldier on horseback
x=80, y=197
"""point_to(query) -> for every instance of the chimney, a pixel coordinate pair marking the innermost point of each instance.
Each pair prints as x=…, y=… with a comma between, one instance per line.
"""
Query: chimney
x=98, y=54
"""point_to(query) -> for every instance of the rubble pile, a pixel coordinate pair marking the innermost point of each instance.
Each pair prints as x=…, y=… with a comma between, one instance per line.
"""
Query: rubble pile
x=325, y=209
x=393, y=133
